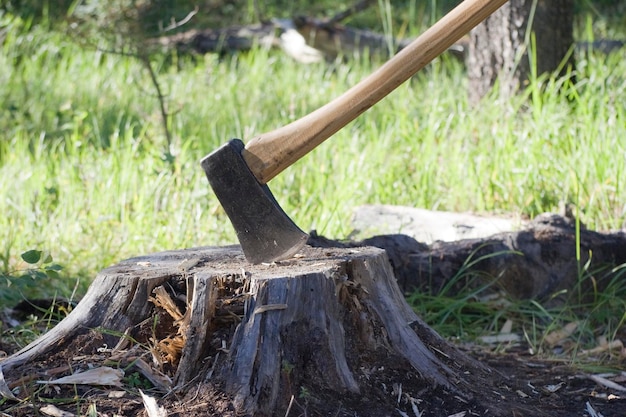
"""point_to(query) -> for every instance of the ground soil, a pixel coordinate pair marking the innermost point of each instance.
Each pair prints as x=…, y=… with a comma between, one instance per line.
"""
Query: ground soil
x=540, y=386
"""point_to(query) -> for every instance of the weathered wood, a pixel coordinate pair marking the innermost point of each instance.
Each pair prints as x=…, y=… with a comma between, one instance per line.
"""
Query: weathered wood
x=327, y=37
x=116, y=301
x=335, y=40
x=535, y=262
x=428, y=226
x=332, y=322
x=201, y=302
x=224, y=40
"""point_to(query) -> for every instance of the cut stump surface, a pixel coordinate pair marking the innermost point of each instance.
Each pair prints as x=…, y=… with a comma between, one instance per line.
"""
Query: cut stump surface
x=324, y=331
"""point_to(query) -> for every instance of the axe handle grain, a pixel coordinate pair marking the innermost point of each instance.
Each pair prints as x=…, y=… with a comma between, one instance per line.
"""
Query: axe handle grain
x=270, y=153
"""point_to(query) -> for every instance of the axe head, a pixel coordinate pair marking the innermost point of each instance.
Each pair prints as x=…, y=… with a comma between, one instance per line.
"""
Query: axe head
x=264, y=230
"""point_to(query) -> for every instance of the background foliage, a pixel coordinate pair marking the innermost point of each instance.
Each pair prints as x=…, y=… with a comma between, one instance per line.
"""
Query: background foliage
x=90, y=178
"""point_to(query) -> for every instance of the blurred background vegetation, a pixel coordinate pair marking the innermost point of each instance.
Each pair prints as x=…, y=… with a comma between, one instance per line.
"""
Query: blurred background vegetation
x=156, y=14
x=87, y=180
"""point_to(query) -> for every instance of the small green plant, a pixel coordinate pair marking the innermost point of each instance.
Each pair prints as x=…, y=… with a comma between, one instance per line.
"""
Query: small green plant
x=286, y=367
x=27, y=289
x=41, y=271
x=304, y=394
x=135, y=380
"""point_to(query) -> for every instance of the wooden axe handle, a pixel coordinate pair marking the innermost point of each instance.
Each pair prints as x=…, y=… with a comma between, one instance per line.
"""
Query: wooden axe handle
x=270, y=153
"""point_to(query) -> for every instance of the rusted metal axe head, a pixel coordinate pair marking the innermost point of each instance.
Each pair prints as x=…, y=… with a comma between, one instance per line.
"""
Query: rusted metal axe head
x=238, y=173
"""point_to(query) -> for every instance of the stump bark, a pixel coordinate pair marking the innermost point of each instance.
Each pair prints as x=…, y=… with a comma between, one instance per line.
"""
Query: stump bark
x=330, y=329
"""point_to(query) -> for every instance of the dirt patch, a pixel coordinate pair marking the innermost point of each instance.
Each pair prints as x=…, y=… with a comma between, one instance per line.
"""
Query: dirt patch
x=389, y=388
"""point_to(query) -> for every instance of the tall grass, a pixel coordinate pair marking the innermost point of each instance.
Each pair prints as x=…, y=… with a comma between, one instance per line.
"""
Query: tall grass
x=84, y=174
x=470, y=306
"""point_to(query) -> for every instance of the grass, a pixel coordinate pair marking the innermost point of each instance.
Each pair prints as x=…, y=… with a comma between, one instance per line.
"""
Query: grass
x=476, y=310
x=86, y=177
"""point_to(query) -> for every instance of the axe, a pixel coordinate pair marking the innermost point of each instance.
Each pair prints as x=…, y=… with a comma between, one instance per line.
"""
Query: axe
x=239, y=173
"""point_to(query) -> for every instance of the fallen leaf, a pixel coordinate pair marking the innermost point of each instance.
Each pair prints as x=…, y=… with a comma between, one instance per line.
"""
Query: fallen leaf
x=5, y=391
x=501, y=338
x=152, y=408
x=51, y=410
x=116, y=394
x=507, y=327
x=555, y=337
x=554, y=388
x=603, y=347
x=96, y=376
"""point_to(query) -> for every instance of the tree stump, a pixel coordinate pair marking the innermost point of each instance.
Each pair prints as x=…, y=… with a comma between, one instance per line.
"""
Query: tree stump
x=329, y=328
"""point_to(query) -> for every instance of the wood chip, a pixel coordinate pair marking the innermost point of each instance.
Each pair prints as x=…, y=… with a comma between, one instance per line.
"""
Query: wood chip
x=151, y=406
x=269, y=307
x=162, y=299
x=607, y=383
x=554, y=338
x=554, y=387
x=159, y=380
x=501, y=338
x=604, y=347
x=103, y=375
x=522, y=394
x=53, y=411
x=507, y=327
x=5, y=391
x=116, y=394
x=169, y=349
x=414, y=402
x=590, y=410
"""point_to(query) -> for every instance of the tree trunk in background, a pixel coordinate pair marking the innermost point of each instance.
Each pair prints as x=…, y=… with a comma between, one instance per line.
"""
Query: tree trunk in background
x=499, y=46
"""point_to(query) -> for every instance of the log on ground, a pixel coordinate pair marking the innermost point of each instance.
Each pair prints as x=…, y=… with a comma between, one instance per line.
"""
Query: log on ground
x=538, y=262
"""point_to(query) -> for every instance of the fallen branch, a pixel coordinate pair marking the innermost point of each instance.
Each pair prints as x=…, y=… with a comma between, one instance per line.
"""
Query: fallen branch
x=536, y=262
